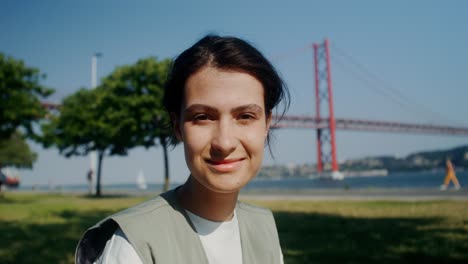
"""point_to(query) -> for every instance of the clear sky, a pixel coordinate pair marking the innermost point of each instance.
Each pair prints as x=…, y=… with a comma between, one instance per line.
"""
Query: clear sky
x=391, y=60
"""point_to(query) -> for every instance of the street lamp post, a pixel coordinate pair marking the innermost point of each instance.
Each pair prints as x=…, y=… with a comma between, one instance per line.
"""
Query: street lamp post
x=94, y=69
x=93, y=154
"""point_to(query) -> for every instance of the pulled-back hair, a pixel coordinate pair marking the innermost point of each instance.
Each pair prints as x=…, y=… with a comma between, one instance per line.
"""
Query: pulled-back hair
x=226, y=53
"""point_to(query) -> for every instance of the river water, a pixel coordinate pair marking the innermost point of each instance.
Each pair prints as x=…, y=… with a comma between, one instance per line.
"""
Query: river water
x=406, y=180
x=403, y=180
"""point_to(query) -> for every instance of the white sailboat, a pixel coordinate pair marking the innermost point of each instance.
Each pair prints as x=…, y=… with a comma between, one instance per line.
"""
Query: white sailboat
x=141, y=181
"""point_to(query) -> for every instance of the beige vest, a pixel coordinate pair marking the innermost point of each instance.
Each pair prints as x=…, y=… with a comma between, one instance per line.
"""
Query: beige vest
x=161, y=232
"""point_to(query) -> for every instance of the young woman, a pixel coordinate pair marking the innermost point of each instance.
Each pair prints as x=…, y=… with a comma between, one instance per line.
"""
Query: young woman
x=220, y=95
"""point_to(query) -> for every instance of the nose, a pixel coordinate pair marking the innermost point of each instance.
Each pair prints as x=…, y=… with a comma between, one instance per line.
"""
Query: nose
x=224, y=141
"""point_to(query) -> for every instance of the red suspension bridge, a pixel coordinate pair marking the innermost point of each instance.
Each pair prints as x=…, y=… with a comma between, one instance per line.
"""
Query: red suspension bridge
x=325, y=123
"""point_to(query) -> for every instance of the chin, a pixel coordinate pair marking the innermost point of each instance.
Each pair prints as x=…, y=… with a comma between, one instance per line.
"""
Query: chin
x=225, y=188
x=225, y=183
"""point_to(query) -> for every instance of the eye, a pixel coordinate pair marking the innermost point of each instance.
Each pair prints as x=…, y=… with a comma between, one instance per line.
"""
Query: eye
x=247, y=116
x=200, y=117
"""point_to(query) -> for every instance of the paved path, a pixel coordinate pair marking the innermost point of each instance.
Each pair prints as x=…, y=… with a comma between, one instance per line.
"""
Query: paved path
x=360, y=194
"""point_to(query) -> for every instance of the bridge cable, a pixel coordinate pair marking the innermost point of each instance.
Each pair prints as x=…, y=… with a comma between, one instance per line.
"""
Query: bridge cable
x=383, y=87
x=384, y=93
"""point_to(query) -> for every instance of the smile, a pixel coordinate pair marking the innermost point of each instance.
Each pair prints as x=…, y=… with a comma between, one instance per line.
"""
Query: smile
x=228, y=165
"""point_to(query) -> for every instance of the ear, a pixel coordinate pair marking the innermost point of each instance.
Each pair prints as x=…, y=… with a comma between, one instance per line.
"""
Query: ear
x=268, y=123
x=176, y=126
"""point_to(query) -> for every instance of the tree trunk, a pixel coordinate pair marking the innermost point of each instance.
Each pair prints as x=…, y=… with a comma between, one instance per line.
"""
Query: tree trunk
x=2, y=178
x=166, y=164
x=98, y=179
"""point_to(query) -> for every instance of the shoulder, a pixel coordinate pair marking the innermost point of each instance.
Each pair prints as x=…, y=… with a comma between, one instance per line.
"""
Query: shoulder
x=253, y=209
x=148, y=207
x=134, y=221
x=255, y=215
x=158, y=210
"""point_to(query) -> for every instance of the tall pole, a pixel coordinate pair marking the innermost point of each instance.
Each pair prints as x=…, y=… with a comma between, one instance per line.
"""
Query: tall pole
x=317, y=109
x=326, y=141
x=330, y=107
x=94, y=69
x=93, y=154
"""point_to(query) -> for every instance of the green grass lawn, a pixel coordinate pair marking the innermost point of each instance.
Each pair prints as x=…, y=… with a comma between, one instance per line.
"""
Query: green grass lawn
x=39, y=228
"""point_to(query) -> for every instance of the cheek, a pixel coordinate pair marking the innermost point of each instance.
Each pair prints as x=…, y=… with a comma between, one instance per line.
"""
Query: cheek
x=255, y=141
x=195, y=140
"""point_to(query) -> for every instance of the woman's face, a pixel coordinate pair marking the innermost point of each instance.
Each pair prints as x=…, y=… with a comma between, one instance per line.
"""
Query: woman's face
x=223, y=127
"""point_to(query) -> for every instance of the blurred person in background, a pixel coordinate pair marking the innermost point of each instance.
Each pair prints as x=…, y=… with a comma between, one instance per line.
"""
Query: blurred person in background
x=450, y=176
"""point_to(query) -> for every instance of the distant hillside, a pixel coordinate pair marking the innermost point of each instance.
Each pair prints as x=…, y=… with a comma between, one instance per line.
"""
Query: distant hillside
x=417, y=161
x=426, y=160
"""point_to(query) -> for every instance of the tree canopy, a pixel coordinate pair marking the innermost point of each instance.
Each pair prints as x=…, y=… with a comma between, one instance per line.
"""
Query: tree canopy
x=136, y=93
x=20, y=95
x=82, y=126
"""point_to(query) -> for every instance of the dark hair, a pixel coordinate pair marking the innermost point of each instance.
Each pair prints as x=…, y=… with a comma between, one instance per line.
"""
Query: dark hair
x=227, y=53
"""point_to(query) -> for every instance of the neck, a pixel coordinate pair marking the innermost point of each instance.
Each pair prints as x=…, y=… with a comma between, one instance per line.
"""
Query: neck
x=205, y=203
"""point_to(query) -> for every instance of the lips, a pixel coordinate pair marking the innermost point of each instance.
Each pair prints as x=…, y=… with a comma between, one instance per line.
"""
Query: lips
x=227, y=165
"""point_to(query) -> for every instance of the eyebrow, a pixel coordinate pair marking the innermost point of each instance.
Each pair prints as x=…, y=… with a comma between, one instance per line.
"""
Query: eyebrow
x=206, y=108
x=249, y=108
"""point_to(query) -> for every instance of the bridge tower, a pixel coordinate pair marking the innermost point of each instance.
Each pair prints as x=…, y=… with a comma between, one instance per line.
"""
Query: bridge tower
x=326, y=144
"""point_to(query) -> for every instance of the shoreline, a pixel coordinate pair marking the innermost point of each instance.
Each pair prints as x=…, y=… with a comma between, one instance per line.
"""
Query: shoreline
x=363, y=194
x=388, y=194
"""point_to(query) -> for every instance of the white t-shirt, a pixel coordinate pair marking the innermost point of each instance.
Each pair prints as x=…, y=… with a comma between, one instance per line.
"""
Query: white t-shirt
x=220, y=240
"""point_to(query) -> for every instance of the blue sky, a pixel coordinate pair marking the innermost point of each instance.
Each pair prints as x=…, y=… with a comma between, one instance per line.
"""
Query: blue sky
x=416, y=49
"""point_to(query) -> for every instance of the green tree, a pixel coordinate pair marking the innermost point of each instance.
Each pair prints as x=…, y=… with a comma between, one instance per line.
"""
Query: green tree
x=82, y=126
x=125, y=111
x=20, y=95
x=136, y=93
